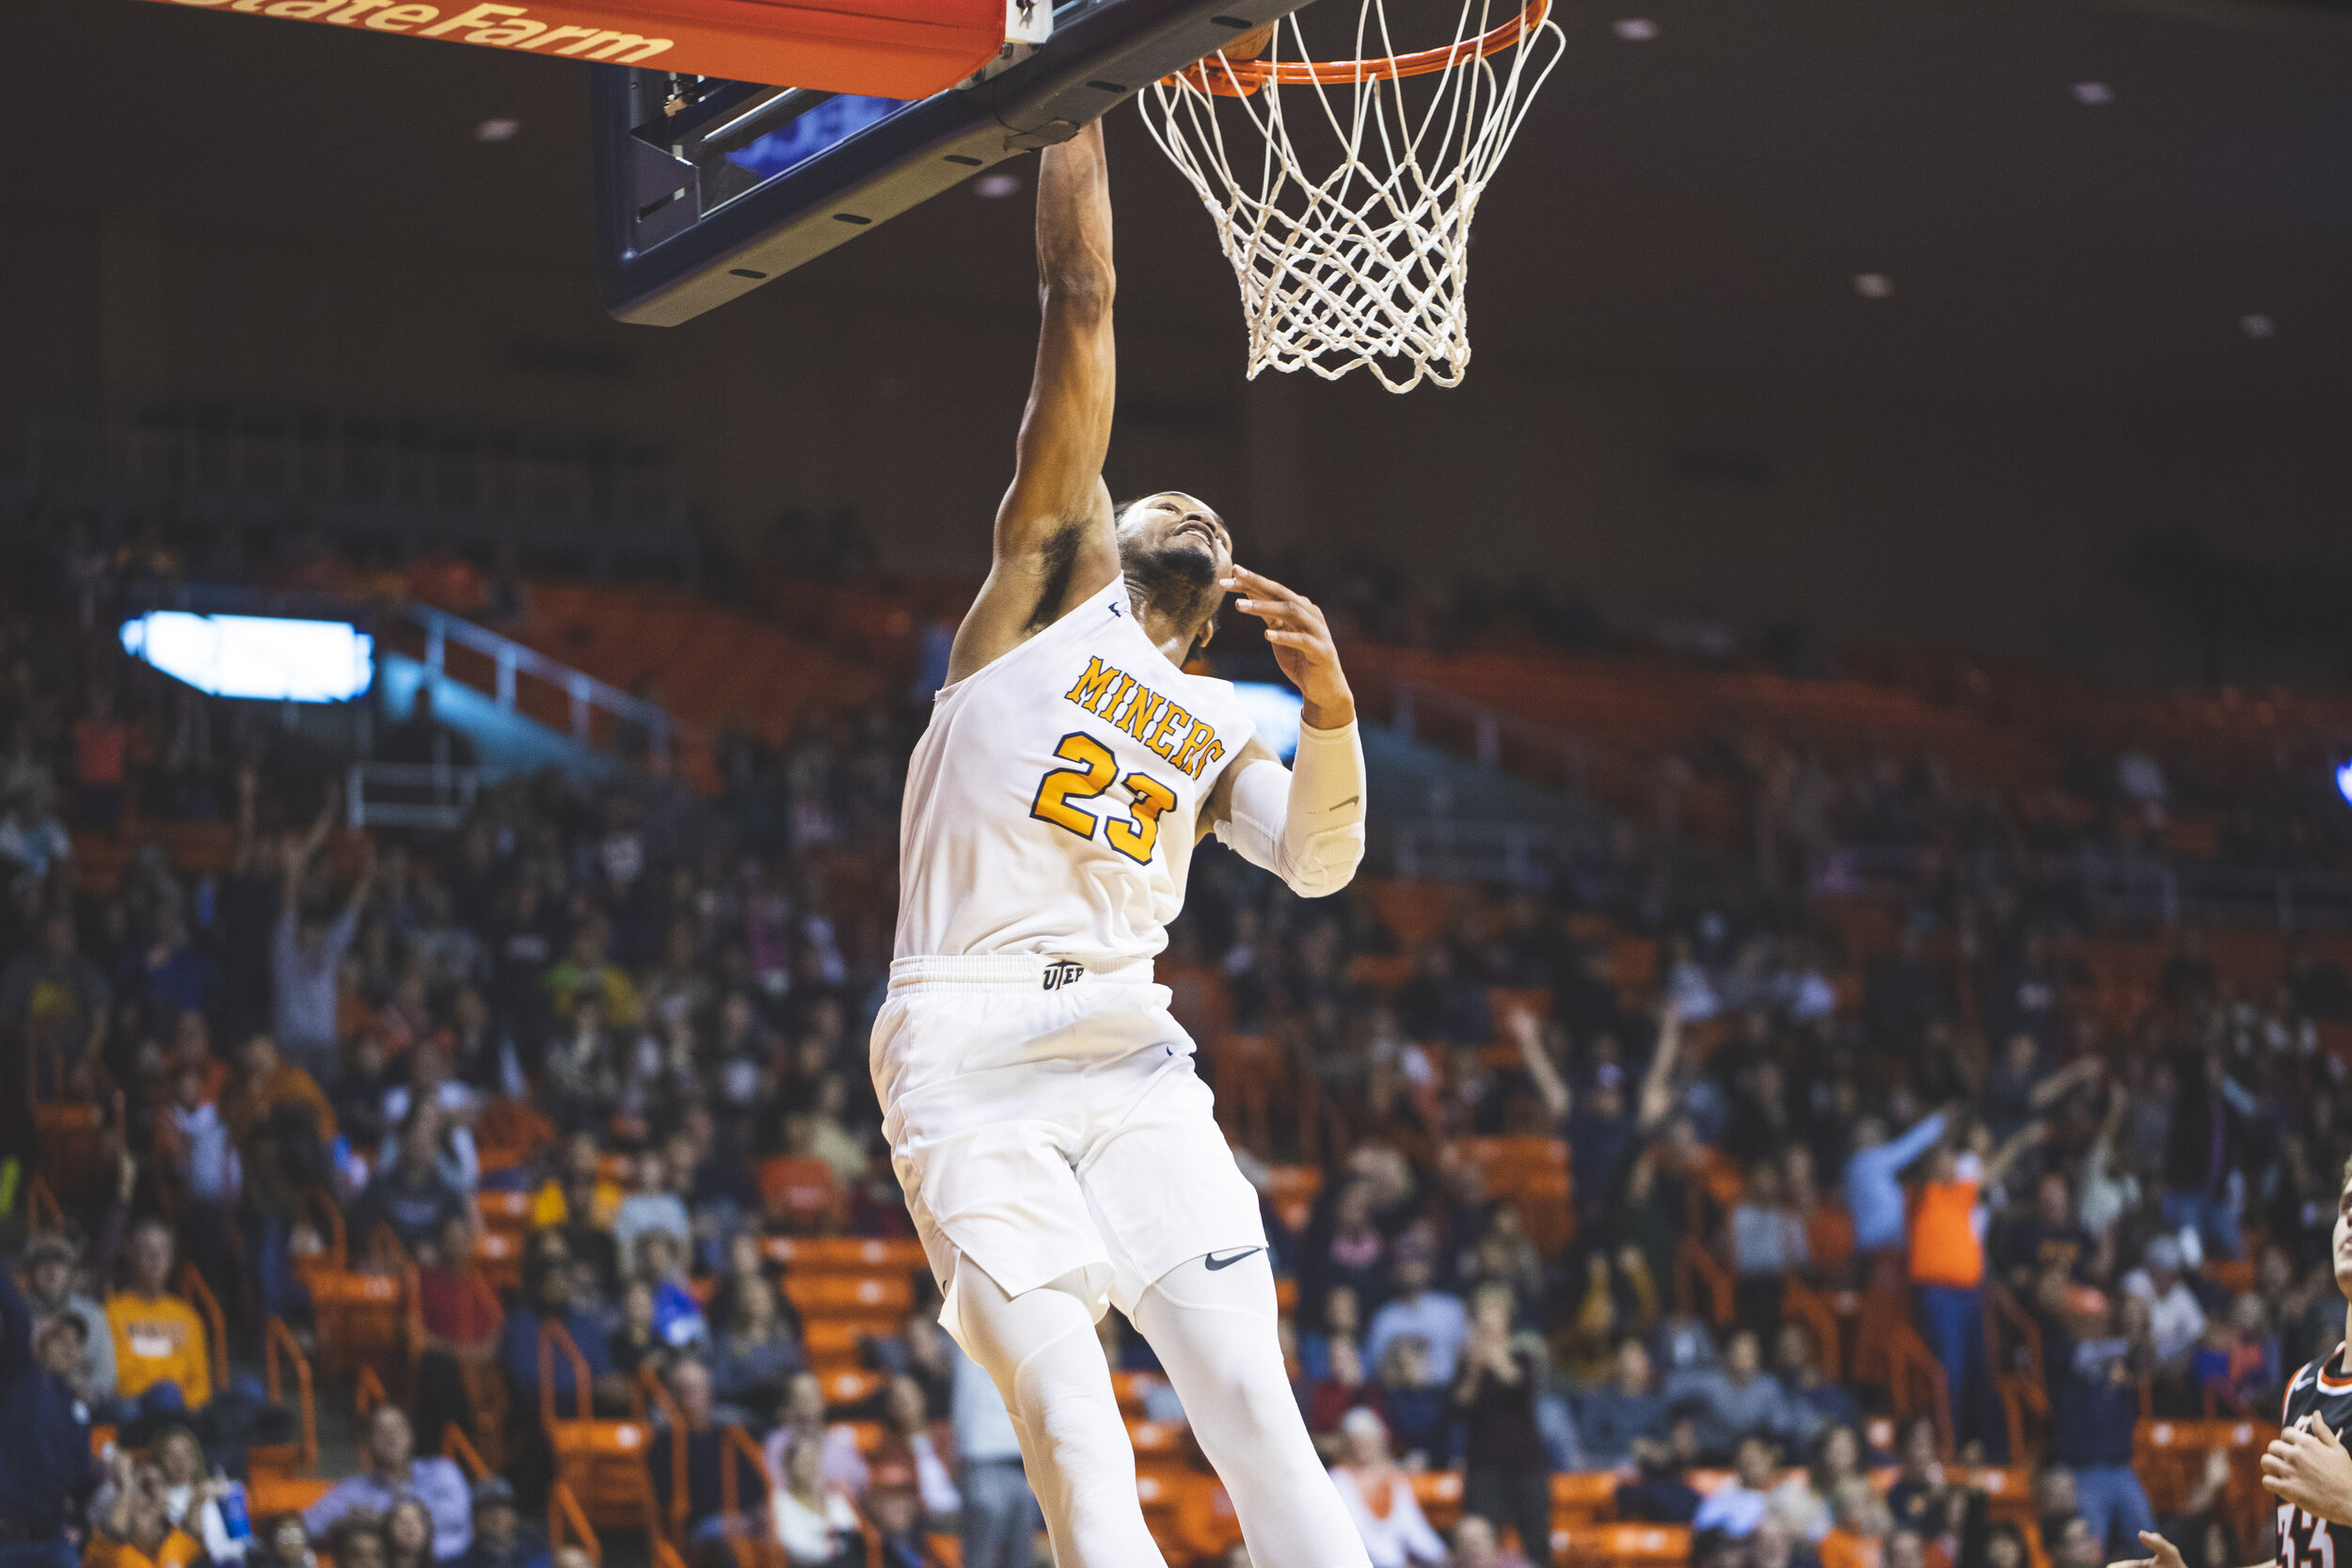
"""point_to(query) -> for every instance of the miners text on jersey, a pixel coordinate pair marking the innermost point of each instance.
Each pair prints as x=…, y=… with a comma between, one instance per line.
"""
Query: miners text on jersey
x=1160, y=724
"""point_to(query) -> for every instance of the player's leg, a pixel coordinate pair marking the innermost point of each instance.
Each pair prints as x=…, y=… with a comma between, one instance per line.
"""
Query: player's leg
x=1040, y=1347
x=1189, y=1268
x=1214, y=1331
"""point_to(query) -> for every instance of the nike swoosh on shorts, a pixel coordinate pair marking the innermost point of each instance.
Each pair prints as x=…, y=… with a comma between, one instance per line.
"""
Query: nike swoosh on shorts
x=1213, y=1263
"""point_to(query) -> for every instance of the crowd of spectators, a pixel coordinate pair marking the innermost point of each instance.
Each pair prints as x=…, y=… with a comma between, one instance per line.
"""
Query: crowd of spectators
x=679, y=991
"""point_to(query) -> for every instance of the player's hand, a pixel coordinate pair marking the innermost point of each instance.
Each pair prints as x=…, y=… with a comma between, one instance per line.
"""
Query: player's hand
x=2307, y=1465
x=2161, y=1554
x=1302, y=646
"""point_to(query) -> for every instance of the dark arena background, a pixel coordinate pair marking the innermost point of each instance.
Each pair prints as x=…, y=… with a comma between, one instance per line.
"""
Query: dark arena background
x=1854, y=961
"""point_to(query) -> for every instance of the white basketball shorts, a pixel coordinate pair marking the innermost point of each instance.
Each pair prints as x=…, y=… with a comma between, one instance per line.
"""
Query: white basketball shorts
x=1045, y=1118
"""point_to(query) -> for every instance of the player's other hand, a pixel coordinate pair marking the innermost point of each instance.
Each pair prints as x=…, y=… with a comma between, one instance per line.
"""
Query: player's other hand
x=1302, y=645
x=2307, y=1465
x=2161, y=1553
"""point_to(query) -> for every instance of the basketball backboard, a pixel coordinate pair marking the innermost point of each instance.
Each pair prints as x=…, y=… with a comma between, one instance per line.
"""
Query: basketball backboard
x=707, y=188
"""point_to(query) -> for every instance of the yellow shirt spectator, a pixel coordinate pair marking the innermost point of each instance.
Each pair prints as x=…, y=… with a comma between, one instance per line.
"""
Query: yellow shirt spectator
x=550, y=1207
x=159, y=1338
x=177, y=1550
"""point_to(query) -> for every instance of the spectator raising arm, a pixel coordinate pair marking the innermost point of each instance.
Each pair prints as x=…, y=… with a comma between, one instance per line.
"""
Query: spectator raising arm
x=1528, y=1030
x=1657, y=1101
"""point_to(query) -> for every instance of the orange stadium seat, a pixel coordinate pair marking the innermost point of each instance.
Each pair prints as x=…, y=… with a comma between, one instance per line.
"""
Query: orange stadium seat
x=514, y=1128
x=1439, y=1494
x=1205, y=1525
x=845, y=1254
x=601, y=1461
x=503, y=1210
x=800, y=1193
x=853, y=1386
x=1162, y=1499
x=846, y=1295
x=499, y=1254
x=362, y=1320
x=1623, y=1546
x=833, y=1343
x=2170, y=1455
x=268, y=1496
x=1134, y=1388
x=1157, y=1442
x=1583, y=1497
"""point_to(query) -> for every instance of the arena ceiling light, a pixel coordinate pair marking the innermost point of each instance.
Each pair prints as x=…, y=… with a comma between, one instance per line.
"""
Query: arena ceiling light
x=2093, y=94
x=262, y=656
x=2344, y=782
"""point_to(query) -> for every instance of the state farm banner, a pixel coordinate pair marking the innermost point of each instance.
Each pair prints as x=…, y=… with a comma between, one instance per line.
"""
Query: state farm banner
x=881, y=48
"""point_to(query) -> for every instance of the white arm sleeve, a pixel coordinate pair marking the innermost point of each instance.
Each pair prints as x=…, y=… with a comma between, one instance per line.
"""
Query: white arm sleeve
x=1304, y=823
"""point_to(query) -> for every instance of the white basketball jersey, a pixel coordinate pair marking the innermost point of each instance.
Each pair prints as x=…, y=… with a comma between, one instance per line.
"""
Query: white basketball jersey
x=1052, y=803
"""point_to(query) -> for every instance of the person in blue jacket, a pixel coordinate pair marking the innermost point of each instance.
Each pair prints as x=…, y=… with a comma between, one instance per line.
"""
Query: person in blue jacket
x=47, y=1471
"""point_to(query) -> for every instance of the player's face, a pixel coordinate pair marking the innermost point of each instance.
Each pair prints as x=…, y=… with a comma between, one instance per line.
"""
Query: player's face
x=1174, y=520
x=2344, y=1238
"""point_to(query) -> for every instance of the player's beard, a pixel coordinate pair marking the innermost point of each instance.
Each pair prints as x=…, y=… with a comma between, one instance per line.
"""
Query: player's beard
x=1177, y=583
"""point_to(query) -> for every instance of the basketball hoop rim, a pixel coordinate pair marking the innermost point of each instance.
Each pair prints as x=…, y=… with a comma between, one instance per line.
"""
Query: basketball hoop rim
x=1232, y=78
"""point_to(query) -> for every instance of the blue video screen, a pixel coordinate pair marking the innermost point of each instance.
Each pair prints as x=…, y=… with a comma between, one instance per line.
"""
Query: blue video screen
x=825, y=125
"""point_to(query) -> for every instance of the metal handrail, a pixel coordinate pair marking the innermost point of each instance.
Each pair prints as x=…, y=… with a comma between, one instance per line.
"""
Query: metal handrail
x=511, y=658
x=453, y=792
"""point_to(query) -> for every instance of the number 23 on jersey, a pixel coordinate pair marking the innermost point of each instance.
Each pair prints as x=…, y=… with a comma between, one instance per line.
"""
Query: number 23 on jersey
x=1091, y=772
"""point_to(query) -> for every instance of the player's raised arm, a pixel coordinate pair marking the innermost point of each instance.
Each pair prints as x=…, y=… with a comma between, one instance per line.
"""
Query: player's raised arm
x=1054, y=539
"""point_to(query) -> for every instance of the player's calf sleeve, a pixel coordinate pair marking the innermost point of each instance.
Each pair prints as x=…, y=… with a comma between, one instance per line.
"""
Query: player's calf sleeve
x=1304, y=823
x=1040, y=1347
x=1213, y=1330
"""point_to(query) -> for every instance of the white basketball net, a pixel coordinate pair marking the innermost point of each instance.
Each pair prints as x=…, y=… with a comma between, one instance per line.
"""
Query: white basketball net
x=1365, y=264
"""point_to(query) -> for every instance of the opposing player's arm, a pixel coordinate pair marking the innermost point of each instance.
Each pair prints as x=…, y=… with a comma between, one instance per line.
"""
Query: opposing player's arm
x=1304, y=823
x=1055, y=540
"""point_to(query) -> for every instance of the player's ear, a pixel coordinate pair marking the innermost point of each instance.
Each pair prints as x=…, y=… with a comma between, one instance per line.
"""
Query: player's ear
x=1200, y=643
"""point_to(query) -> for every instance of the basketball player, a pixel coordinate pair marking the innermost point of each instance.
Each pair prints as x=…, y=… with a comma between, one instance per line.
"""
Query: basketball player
x=2305, y=1466
x=1056, y=1150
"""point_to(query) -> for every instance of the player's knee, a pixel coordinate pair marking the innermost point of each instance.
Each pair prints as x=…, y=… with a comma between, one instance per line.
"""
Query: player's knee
x=1266, y=1405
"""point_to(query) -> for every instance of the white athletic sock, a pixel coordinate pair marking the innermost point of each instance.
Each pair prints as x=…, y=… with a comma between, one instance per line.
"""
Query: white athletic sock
x=1213, y=1330
x=1040, y=1347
